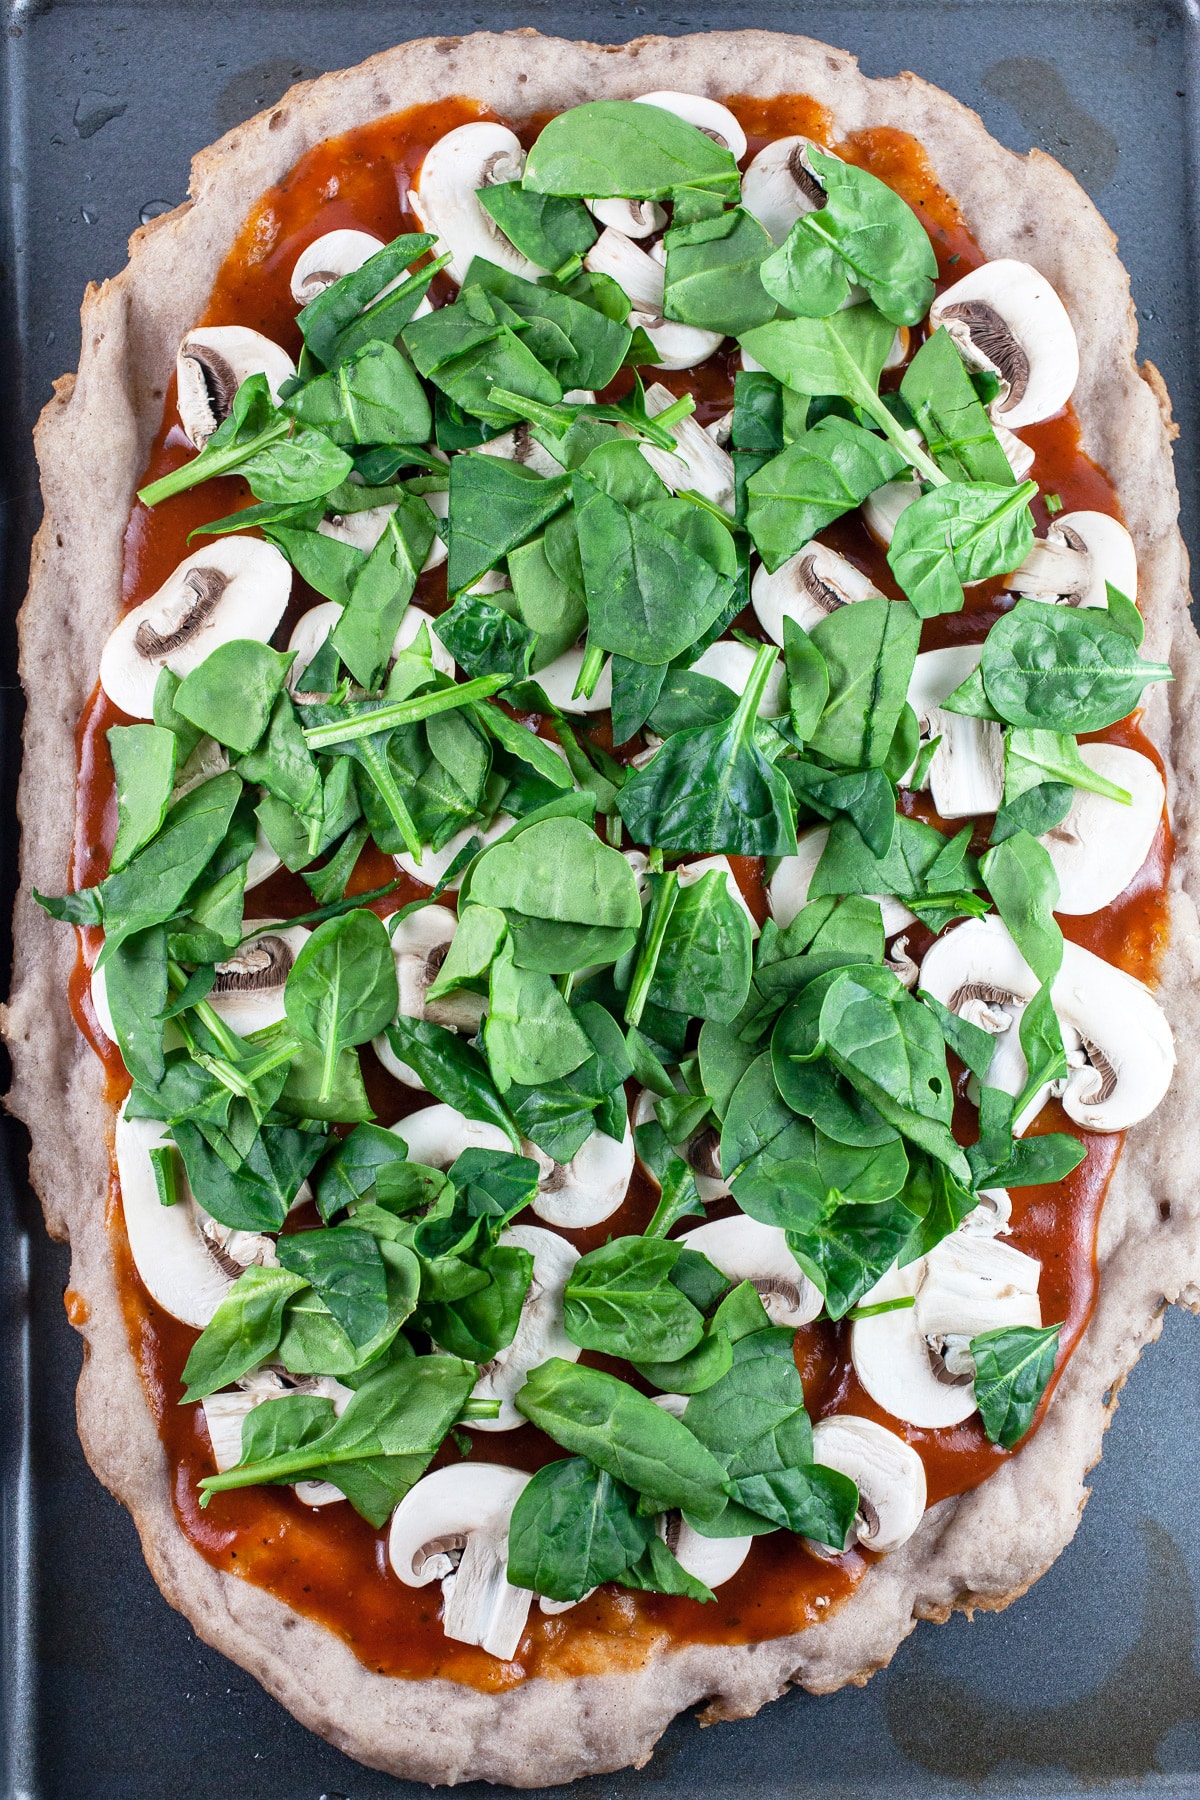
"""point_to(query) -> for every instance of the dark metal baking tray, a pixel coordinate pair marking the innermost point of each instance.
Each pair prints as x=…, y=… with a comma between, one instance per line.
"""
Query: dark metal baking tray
x=1090, y=1684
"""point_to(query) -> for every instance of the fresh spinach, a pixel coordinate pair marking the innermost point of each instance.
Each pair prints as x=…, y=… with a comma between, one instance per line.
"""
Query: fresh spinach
x=341, y=989
x=826, y=472
x=610, y=148
x=1065, y=668
x=620, y=1299
x=959, y=533
x=1013, y=1367
x=143, y=759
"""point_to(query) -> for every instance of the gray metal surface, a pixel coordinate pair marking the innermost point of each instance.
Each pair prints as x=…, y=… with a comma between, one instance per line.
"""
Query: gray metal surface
x=1087, y=1686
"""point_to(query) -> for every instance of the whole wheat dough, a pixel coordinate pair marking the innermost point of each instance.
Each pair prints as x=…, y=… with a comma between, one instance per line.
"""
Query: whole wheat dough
x=981, y=1550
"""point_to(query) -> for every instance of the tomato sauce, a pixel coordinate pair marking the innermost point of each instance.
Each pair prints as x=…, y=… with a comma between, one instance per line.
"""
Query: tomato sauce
x=329, y=1563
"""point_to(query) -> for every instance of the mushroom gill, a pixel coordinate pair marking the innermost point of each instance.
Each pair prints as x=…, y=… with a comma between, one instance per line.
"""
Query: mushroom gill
x=264, y=964
x=206, y=586
x=992, y=338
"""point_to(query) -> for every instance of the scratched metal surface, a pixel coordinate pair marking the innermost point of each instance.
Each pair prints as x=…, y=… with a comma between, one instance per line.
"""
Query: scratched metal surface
x=1089, y=1685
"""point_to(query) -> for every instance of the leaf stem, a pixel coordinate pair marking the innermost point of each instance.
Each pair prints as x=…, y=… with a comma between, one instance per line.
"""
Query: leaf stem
x=892, y=429
x=403, y=712
x=666, y=893
x=219, y=462
x=590, y=671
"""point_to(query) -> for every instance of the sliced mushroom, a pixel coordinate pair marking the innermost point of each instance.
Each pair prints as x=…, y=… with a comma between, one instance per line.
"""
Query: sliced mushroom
x=635, y=218
x=882, y=509
x=915, y=1362
x=1021, y=456
x=361, y=530
x=437, y=1135
x=641, y=278
x=902, y=965
x=212, y=363
x=446, y=197
x=539, y=1335
x=888, y=1472
x=701, y=1152
x=1006, y=318
x=711, y=1560
x=675, y=1404
x=419, y=946
x=698, y=461
x=264, y=860
x=557, y=681
x=1120, y=1051
x=1080, y=554
x=589, y=1188
x=235, y=587
x=779, y=187
x=787, y=890
x=434, y=863
x=992, y=1214
x=452, y=1527
x=807, y=588
x=744, y=1250
x=730, y=663
x=966, y=776
x=225, y=1414
x=1102, y=843
x=248, y=990
x=709, y=116
x=438, y=503
x=313, y=628
x=327, y=259
x=520, y=446
x=187, y=1262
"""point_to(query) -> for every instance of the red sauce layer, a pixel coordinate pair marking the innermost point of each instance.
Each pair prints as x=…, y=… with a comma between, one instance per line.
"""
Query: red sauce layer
x=329, y=1563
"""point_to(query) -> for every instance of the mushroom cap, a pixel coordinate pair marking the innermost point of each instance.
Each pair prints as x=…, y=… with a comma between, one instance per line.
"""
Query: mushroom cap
x=434, y=863
x=419, y=946
x=249, y=989
x=787, y=890
x=588, y=1189
x=448, y=1505
x=807, y=588
x=744, y=1250
x=678, y=346
x=892, y=1359
x=636, y=218
x=264, y=860
x=966, y=776
x=889, y=1474
x=778, y=188
x=730, y=663
x=713, y=1561
x=539, y=1335
x=437, y=1135
x=881, y=510
x=1081, y=553
x=698, y=461
x=973, y=1282
x=1101, y=844
x=1006, y=317
x=709, y=116
x=233, y=587
x=445, y=197
x=327, y=259
x=212, y=363
x=557, y=681
x=640, y=276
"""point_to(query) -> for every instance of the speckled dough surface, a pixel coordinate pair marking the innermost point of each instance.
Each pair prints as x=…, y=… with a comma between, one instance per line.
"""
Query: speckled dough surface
x=983, y=1549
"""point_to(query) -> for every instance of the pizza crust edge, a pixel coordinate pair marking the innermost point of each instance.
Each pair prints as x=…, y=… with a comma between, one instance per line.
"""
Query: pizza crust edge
x=982, y=1550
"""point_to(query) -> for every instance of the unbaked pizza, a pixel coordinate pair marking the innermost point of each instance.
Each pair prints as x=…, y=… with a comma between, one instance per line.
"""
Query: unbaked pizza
x=609, y=668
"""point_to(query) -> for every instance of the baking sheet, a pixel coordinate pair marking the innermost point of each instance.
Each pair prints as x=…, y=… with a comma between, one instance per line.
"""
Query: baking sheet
x=1090, y=1684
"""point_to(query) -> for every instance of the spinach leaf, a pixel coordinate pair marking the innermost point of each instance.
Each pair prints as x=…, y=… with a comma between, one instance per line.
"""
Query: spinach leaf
x=136, y=979
x=917, y=868
x=451, y=1069
x=153, y=885
x=341, y=304
x=495, y=505
x=1062, y=667
x=467, y=357
x=826, y=472
x=1013, y=1367
x=594, y=1415
x=346, y=1269
x=143, y=759
x=372, y=397
x=231, y=694
x=810, y=1084
x=711, y=789
x=1022, y=881
x=381, y=590
x=565, y=894
x=608, y=148
x=948, y=413
x=547, y=228
x=551, y=609
x=703, y=965
x=869, y=650
x=573, y=1527
x=530, y=1034
x=846, y=1253
x=942, y=1203
x=360, y=1167
x=865, y=233
x=243, y=1331
x=580, y=344
x=283, y=763
x=479, y=1324
x=808, y=679
x=259, y=442
x=959, y=533
x=257, y=1194
x=712, y=273
x=1051, y=758
x=620, y=1299
x=485, y=640
x=341, y=989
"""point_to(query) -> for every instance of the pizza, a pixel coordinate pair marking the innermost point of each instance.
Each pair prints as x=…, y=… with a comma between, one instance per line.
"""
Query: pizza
x=607, y=811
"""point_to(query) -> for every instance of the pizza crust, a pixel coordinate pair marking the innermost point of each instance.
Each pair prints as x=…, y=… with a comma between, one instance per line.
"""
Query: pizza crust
x=982, y=1550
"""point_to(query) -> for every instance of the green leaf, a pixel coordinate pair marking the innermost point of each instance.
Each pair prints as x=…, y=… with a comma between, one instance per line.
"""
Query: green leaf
x=608, y=148
x=703, y=966
x=826, y=472
x=380, y=591
x=346, y=1269
x=243, y=1331
x=1065, y=668
x=847, y=1253
x=144, y=766
x=451, y=1069
x=529, y=1034
x=495, y=505
x=1021, y=880
x=620, y=1299
x=358, y=1168
x=573, y=1527
x=153, y=885
x=324, y=319
x=231, y=694
x=559, y=870
x=957, y=534
x=870, y=651
x=948, y=413
x=712, y=273
x=341, y=989
x=546, y=228
x=1013, y=1367
x=372, y=397
x=808, y=679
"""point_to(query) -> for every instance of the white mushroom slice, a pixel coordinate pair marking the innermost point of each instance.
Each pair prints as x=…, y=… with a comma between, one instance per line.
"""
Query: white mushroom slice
x=1021, y=456
x=313, y=628
x=689, y=873
x=779, y=187
x=713, y=1561
x=248, y=990
x=212, y=363
x=438, y=503
x=966, y=776
x=557, y=681
x=225, y=1413
x=1119, y=1046
x=419, y=946
x=730, y=663
x=973, y=1283
x=807, y=588
x=701, y=1152
x=898, y=1367
x=1080, y=553
x=187, y=1262
x=452, y=1526
x=1101, y=844
x=709, y=116
x=434, y=863
x=1006, y=318
x=675, y=1404
x=361, y=530
x=889, y=1474
x=744, y=1250
x=445, y=198
x=438, y=1135
x=641, y=278
x=589, y=1188
x=235, y=587
x=409, y=630
x=787, y=890
x=327, y=259
x=520, y=446
x=539, y=1335
x=992, y=1214
x=635, y=218
x=698, y=461
x=677, y=346
x=882, y=509
x=264, y=860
